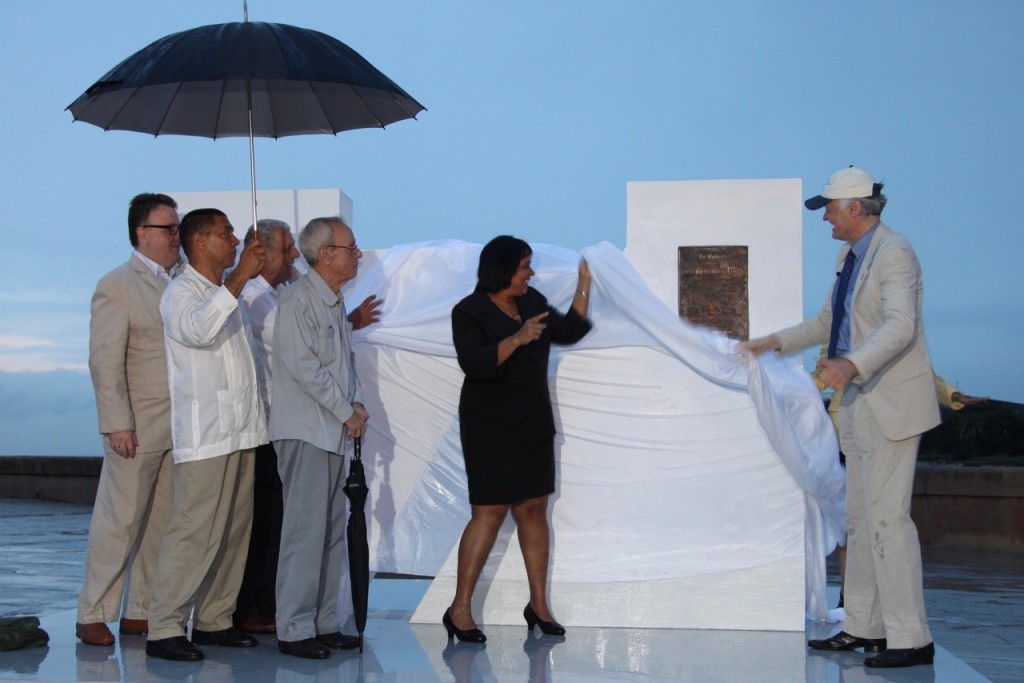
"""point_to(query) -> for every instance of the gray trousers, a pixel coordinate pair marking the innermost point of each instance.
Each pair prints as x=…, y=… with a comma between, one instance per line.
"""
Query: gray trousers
x=309, y=566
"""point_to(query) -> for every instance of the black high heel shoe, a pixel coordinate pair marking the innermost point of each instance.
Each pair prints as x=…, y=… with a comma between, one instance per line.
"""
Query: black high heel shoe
x=548, y=628
x=471, y=635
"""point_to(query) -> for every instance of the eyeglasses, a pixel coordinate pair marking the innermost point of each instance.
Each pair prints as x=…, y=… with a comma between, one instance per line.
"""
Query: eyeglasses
x=171, y=228
x=354, y=248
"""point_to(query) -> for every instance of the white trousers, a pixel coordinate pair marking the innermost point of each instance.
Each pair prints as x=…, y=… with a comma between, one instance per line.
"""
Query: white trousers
x=884, y=594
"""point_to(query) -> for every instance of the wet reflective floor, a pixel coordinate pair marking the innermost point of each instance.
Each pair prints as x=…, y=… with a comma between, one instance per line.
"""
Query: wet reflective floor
x=975, y=603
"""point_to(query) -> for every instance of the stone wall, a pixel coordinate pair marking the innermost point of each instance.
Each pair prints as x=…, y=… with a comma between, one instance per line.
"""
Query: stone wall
x=63, y=479
x=954, y=506
x=970, y=507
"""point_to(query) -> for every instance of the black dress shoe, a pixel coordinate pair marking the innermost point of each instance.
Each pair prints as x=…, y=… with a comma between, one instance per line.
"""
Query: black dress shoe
x=898, y=657
x=548, y=628
x=310, y=648
x=177, y=648
x=228, y=637
x=469, y=635
x=844, y=641
x=338, y=641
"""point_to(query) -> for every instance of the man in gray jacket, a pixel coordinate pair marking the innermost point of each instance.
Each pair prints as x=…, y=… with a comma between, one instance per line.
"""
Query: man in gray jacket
x=317, y=406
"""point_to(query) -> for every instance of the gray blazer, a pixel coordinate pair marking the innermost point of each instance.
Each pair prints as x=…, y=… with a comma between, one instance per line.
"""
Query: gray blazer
x=313, y=377
x=886, y=335
x=127, y=360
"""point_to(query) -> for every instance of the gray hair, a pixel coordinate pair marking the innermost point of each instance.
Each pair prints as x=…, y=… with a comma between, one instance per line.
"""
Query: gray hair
x=317, y=234
x=266, y=227
x=869, y=206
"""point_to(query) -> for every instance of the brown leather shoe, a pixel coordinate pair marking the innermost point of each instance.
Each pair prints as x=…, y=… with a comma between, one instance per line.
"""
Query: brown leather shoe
x=258, y=625
x=95, y=633
x=134, y=627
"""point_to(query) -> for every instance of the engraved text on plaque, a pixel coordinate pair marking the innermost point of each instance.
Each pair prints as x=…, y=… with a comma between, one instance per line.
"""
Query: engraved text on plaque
x=713, y=289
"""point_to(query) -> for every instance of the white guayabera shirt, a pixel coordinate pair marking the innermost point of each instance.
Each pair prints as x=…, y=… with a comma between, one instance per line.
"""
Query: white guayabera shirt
x=216, y=403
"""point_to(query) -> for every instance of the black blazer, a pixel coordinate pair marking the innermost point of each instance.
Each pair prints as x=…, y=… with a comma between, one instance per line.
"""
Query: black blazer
x=509, y=403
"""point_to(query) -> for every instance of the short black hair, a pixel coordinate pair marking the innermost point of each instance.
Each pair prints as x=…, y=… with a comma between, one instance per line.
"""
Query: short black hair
x=499, y=261
x=139, y=209
x=197, y=222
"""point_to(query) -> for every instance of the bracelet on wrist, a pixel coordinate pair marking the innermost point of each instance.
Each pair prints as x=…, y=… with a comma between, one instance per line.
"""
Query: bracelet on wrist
x=581, y=293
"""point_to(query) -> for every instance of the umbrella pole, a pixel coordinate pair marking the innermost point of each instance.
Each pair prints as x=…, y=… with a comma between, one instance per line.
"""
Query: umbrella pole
x=252, y=147
x=252, y=162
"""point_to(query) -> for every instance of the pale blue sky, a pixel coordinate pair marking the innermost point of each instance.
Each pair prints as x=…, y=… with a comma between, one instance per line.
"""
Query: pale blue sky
x=539, y=113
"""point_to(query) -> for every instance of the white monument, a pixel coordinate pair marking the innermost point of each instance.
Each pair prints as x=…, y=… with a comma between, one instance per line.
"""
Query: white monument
x=294, y=207
x=673, y=509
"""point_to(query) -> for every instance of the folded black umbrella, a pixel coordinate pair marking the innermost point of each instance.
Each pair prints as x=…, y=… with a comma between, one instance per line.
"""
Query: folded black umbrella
x=358, y=547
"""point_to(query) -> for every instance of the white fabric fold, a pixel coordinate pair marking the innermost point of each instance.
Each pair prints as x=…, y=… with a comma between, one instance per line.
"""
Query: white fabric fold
x=678, y=453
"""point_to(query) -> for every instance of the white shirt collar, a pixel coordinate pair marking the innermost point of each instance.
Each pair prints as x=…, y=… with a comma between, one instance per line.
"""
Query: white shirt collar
x=158, y=270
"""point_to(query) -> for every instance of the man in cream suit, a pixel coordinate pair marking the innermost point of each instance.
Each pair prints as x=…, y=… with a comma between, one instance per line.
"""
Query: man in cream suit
x=880, y=360
x=129, y=375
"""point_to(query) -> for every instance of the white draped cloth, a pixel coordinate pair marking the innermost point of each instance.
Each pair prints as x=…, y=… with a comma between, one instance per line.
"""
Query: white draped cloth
x=669, y=434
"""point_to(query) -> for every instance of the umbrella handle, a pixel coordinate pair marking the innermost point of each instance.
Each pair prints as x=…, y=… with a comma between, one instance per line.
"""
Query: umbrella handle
x=357, y=448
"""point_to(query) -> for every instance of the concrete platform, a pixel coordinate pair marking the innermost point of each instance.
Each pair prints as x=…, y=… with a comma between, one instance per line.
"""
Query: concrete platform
x=975, y=603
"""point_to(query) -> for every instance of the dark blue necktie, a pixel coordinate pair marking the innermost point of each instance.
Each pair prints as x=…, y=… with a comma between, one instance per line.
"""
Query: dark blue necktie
x=839, y=303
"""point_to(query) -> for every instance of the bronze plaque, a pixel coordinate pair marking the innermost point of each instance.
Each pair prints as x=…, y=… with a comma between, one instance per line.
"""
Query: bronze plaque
x=713, y=289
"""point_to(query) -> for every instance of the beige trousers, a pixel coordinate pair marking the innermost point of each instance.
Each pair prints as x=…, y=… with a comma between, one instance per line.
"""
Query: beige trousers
x=884, y=593
x=132, y=508
x=202, y=558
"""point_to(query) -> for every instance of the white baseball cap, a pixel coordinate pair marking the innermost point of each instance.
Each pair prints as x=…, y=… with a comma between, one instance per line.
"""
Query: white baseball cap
x=848, y=183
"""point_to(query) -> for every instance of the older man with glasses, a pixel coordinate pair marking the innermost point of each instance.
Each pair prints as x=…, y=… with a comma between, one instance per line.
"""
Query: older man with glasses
x=317, y=407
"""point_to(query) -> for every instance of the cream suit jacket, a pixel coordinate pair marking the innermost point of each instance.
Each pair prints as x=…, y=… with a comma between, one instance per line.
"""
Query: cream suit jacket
x=127, y=360
x=886, y=335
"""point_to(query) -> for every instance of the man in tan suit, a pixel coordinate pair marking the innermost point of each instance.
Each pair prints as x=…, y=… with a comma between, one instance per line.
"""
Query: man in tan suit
x=129, y=374
x=879, y=358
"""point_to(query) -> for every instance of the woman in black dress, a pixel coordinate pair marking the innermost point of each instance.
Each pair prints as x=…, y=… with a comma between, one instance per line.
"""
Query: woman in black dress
x=503, y=333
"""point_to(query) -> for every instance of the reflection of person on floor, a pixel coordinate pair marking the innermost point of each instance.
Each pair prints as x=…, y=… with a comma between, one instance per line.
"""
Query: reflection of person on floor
x=317, y=406
x=878, y=354
x=468, y=662
x=128, y=366
x=503, y=333
x=218, y=418
x=947, y=395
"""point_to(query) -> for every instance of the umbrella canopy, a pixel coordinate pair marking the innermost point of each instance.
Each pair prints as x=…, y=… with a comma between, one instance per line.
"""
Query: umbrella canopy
x=358, y=548
x=205, y=82
x=244, y=79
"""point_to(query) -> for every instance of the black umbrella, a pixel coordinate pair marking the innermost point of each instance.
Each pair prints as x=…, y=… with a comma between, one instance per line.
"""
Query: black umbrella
x=358, y=548
x=244, y=79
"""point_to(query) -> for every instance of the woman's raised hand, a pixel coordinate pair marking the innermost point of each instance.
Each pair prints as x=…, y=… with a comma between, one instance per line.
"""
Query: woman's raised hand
x=531, y=329
x=584, y=281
